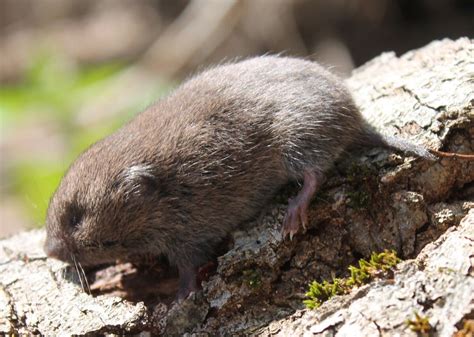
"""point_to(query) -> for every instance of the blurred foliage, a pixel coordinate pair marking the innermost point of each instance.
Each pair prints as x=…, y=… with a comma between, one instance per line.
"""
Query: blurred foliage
x=54, y=90
x=50, y=85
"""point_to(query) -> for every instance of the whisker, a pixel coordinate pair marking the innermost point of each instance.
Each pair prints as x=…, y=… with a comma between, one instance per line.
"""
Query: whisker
x=77, y=271
x=85, y=278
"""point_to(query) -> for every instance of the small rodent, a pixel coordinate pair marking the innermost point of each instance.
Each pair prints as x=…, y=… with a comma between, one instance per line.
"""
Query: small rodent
x=181, y=175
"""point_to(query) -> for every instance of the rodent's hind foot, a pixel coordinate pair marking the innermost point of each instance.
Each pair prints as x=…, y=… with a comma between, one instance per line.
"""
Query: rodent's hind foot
x=295, y=215
x=298, y=206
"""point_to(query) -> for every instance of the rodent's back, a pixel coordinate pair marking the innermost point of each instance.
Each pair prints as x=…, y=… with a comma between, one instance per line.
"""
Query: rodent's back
x=237, y=132
x=310, y=113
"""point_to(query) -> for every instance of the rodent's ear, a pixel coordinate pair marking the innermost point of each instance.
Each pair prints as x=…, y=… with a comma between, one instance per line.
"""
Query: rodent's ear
x=137, y=180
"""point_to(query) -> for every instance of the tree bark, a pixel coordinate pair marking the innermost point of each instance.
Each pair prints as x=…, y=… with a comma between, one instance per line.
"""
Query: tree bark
x=372, y=201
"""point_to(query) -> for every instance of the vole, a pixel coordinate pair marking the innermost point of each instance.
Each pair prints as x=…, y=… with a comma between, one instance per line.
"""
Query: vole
x=182, y=174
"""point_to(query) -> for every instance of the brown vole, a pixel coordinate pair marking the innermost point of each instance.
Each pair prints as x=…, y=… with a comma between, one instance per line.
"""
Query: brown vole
x=192, y=167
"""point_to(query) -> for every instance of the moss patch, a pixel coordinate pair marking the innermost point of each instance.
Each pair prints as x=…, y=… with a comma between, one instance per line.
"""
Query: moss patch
x=420, y=324
x=376, y=266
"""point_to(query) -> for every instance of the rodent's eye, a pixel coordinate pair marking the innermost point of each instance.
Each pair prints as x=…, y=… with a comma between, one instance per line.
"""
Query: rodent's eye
x=74, y=216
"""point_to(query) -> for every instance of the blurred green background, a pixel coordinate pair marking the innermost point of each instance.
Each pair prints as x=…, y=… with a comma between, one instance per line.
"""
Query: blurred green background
x=72, y=71
x=52, y=90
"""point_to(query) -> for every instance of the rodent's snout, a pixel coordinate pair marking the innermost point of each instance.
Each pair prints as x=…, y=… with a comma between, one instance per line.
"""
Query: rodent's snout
x=56, y=249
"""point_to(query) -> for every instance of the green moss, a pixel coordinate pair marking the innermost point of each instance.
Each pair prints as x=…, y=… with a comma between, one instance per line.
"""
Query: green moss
x=319, y=293
x=252, y=278
x=379, y=263
x=420, y=324
x=367, y=270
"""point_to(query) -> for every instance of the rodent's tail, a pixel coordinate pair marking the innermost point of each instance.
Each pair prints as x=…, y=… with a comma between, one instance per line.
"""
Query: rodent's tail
x=371, y=137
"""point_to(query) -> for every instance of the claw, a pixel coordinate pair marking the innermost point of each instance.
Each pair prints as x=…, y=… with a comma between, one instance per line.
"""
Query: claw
x=304, y=221
x=297, y=206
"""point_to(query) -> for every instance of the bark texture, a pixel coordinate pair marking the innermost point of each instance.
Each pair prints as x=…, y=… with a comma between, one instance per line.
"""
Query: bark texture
x=371, y=201
x=437, y=285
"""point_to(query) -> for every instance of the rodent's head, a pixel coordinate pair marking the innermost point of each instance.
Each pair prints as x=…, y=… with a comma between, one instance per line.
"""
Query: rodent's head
x=104, y=210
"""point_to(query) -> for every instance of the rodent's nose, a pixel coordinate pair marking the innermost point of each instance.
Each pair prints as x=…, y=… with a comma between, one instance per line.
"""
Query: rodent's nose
x=56, y=249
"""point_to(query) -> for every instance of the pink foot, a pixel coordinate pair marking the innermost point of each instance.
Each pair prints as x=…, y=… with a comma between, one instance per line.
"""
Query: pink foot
x=297, y=212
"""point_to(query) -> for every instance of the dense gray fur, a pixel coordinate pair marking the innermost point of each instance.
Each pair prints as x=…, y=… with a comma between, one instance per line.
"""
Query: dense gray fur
x=195, y=165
